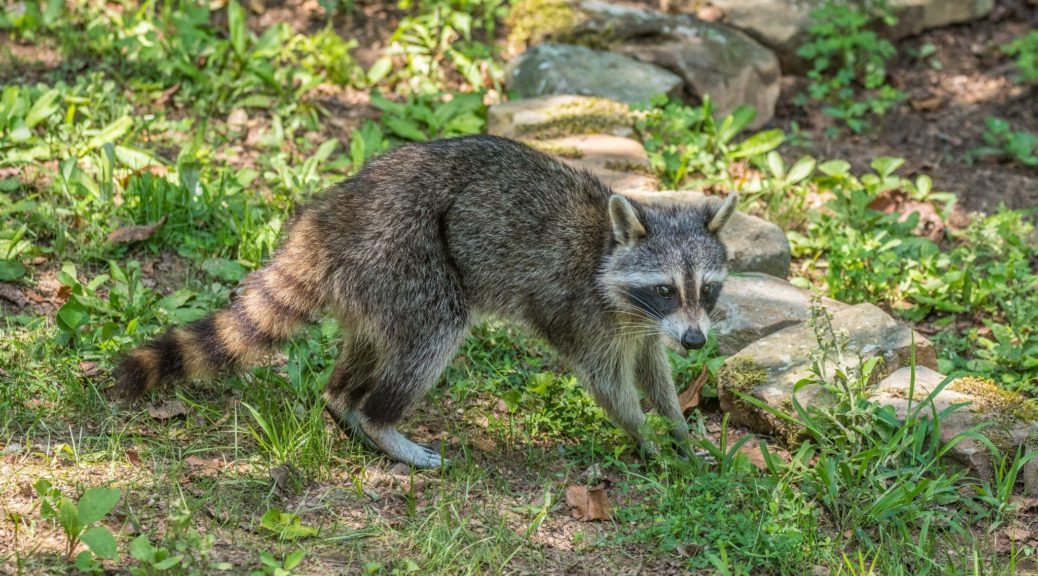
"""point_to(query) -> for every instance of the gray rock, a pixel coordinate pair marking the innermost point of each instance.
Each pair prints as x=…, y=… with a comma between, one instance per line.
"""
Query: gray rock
x=754, y=305
x=769, y=368
x=782, y=25
x=557, y=116
x=711, y=58
x=569, y=69
x=754, y=244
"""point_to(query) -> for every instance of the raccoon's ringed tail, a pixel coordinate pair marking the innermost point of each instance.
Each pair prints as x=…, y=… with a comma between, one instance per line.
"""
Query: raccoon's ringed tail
x=271, y=308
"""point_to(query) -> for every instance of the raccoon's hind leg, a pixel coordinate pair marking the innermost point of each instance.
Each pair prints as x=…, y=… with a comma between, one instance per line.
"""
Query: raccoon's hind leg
x=376, y=385
x=355, y=374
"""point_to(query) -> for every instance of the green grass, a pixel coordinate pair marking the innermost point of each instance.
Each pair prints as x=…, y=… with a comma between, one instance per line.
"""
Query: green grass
x=176, y=114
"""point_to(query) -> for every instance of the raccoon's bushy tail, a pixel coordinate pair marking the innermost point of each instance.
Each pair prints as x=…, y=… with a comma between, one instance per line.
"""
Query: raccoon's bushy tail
x=272, y=304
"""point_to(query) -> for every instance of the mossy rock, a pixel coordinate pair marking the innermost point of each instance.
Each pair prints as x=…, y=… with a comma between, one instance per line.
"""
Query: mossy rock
x=547, y=117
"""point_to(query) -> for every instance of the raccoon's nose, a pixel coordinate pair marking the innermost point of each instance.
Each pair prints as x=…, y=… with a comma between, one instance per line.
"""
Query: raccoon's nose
x=693, y=339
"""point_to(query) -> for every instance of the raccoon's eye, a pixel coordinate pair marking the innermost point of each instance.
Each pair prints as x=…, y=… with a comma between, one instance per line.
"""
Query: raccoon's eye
x=664, y=291
x=710, y=290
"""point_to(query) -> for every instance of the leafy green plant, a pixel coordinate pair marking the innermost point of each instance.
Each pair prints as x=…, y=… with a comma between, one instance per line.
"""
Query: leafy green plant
x=285, y=525
x=77, y=520
x=1025, y=51
x=688, y=148
x=1005, y=142
x=271, y=566
x=183, y=550
x=849, y=63
x=441, y=31
x=428, y=117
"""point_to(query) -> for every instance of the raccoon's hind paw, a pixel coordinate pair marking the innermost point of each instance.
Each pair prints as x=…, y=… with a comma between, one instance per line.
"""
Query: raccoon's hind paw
x=400, y=448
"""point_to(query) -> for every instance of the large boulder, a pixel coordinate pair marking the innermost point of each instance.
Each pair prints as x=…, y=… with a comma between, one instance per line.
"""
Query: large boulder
x=754, y=244
x=782, y=25
x=569, y=69
x=711, y=59
x=754, y=305
x=770, y=368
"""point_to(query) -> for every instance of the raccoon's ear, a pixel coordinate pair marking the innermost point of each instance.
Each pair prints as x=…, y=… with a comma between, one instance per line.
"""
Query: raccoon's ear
x=627, y=229
x=723, y=212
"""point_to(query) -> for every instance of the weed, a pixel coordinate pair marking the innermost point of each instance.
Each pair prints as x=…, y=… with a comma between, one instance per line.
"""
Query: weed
x=441, y=31
x=1025, y=52
x=849, y=63
x=77, y=519
x=285, y=525
x=434, y=116
x=687, y=147
x=1005, y=142
x=183, y=551
x=271, y=566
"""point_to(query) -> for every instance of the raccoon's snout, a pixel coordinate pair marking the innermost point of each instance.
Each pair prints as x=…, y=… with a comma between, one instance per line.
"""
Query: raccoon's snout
x=693, y=339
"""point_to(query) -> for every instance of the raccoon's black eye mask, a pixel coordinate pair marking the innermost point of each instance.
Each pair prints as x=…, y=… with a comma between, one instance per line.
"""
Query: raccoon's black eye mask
x=650, y=300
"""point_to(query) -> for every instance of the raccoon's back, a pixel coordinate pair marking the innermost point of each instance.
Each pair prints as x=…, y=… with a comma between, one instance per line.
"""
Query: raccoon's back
x=514, y=223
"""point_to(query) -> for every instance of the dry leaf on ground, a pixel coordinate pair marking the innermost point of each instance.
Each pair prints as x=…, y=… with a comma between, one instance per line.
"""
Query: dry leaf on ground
x=89, y=369
x=13, y=294
x=168, y=409
x=135, y=233
x=202, y=467
x=689, y=399
x=134, y=457
x=587, y=504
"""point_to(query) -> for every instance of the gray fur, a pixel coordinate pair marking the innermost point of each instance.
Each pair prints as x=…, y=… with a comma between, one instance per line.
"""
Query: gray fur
x=429, y=237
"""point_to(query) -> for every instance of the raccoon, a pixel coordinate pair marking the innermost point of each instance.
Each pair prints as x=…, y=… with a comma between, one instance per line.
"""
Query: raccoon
x=427, y=239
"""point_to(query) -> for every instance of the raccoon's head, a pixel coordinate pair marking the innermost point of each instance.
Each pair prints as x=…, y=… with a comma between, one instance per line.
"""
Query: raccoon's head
x=667, y=266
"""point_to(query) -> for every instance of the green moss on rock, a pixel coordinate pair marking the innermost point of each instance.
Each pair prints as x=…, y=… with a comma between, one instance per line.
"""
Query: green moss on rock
x=533, y=21
x=585, y=116
x=560, y=150
x=991, y=399
x=742, y=374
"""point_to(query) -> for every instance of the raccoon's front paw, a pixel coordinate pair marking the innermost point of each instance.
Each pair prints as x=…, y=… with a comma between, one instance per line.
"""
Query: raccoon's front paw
x=682, y=442
x=648, y=449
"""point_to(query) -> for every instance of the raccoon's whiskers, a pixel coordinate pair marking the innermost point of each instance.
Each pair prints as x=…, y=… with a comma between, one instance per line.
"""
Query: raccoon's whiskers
x=648, y=311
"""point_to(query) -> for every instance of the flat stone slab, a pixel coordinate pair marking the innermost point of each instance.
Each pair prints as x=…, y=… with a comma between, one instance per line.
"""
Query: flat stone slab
x=754, y=305
x=754, y=244
x=560, y=115
x=620, y=163
x=569, y=69
x=769, y=368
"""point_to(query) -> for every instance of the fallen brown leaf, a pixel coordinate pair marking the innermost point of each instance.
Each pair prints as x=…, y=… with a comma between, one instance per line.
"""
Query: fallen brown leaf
x=89, y=369
x=281, y=475
x=927, y=104
x=135, y=233
x=1018, y=533
x=201, y=467
x=587, y=504
x=134, y=457
x=167, y=410
x=62, y=295
x=12, y=294
x=166, y=94
x=689, y=399
x=1024, y=503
